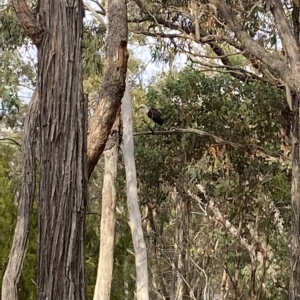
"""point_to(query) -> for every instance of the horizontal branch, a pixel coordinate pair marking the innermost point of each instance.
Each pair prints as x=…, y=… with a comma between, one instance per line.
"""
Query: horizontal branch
x=12, y=141
x=196, y=131
x=260, y=152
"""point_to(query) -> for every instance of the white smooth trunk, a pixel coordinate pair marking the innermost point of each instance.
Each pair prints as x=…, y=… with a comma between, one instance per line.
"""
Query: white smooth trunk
x=108, y=216
x=142, y=291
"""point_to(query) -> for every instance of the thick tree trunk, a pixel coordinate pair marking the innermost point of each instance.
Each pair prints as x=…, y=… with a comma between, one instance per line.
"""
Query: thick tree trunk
x=110, y=97
x=20, y=242
x=108, y=215
x=63, y=133
x=142, y=291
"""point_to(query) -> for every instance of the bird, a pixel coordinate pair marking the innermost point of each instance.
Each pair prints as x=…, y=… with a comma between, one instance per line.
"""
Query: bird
x=153, y=114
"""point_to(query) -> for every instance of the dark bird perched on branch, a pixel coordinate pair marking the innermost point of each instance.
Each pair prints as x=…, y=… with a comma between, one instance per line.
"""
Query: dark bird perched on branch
x=153, y=114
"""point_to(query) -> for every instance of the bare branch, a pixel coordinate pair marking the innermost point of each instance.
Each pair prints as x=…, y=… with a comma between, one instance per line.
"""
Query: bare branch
x=103, y=12
x=94, y=13
x=188, y=33
x=252, y=148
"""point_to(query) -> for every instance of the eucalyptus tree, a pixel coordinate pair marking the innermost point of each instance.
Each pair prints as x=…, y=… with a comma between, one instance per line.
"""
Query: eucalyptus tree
x=266, y=34
x=57, y=32
x=214, y=188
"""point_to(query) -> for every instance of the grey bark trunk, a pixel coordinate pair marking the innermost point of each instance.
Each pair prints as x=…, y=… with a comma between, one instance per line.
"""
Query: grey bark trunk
x=63, y=160
x=20, y=241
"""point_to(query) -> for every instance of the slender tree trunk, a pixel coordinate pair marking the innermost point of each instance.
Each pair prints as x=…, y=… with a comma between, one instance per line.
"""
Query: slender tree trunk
x=295, y=230
x=20, y=242
x=108, y=215
x=63, y=161
x=175, y=279
x=224, y=285
x=295, y=245
x=142, y=290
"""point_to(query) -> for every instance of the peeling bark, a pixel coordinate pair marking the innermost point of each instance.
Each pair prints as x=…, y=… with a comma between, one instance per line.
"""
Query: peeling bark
x=21, y=235
x=114, y=82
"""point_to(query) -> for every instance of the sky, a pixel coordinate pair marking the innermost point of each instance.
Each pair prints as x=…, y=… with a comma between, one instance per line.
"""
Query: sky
x=140, y=52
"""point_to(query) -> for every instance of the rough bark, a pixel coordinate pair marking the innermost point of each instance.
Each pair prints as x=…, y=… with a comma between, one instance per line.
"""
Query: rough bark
x=108, y=215
x=20, y=241
x=114, y=81
x=109, y=102
x=63, y=132
x=142, y=291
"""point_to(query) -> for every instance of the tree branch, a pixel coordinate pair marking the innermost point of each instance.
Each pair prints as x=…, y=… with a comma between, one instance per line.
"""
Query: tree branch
x=252, y=148
x=11, y=140
x=94, y=13
x=28, y=21
x=286, y=34
x=188, y=32
x=27, y=194
x=254, y=48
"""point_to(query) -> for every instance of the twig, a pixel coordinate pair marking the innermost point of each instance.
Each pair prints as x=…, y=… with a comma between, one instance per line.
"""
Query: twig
x=248, y=147
x=152, y=131
x=11, y=140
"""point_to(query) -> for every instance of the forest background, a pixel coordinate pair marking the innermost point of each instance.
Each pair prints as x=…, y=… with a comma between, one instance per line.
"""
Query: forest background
x=217, y=182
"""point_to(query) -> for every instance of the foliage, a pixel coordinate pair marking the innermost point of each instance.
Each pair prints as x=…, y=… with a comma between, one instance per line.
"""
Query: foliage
x=12, y=34
x=249, y=185
x=93, y=54
x=242, y=182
